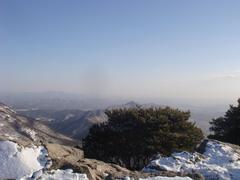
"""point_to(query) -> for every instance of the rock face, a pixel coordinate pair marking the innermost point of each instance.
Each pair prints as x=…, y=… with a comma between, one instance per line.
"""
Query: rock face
x=66, y=157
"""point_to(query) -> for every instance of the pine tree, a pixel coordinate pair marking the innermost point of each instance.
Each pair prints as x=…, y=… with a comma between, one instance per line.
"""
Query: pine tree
x=227, y=128
x=132, y=136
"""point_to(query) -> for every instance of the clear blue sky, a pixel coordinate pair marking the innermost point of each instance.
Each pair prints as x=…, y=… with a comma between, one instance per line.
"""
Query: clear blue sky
x=121, y=48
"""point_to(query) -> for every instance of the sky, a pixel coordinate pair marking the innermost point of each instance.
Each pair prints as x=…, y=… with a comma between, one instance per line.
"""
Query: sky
x=121, y=48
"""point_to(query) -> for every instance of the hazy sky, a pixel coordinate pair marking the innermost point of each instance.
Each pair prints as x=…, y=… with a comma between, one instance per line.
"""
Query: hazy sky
x=123, y=48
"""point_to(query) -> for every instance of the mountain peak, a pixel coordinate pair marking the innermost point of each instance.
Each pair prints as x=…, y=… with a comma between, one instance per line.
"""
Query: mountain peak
x=131, y=104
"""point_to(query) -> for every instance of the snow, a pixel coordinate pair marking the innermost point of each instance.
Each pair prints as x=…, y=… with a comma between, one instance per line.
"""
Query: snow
x=30, y=163
x=44, y=119
x=63, y=174
x=31, y=133
x=219, y=161
x=167, y=178
x=159, y=178
x=11, y=119
x=6, y=109
x=9, y=137
x=5, y=116
x=68, y=116
x=17, y=161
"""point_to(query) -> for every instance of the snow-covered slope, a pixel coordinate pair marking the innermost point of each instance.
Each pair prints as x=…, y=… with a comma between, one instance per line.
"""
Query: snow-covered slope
x=166, y=178
x=25, y=130
x=63, y=174
x=22, y=155
x=219, y=161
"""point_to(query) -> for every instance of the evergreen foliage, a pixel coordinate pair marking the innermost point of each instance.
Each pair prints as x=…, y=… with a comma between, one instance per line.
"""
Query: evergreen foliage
x=132, y=136
x=227, y=128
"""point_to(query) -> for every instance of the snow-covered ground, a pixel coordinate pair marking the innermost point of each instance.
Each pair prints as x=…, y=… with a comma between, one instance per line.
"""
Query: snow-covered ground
x=28, y=164
x=167, y=178
x=17, y=161
x=159, y=178
x=63, y=174
x=6, y=109
x=68, y=116
x=219, y=161
x=31, y=133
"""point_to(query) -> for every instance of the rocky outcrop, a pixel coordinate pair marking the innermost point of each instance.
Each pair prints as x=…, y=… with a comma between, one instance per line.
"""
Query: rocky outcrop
x=67, y=157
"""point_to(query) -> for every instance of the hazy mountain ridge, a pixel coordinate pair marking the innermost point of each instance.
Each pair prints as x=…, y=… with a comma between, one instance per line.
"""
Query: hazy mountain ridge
x=57, y=109
x=75, y=123
x=54, y=101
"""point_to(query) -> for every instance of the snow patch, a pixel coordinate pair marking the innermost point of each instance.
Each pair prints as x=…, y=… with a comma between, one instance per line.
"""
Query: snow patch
x=68, y=116
x=219, y=161
x=9, y=137
x=5, y=116
x=31, y=133
x=63, y=174
x=167, y=178
x=17, y=162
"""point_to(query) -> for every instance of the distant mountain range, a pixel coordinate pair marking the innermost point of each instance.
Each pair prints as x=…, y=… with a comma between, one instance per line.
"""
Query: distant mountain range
x=75, y=114
x=73, y=123
x=55, y=101
x=76, y=123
